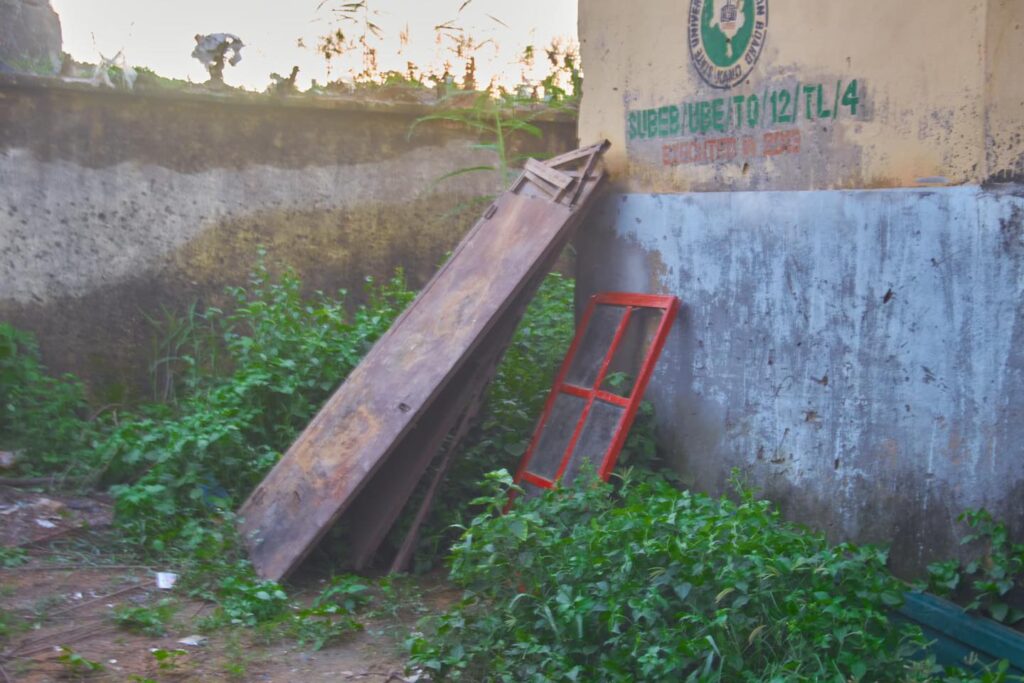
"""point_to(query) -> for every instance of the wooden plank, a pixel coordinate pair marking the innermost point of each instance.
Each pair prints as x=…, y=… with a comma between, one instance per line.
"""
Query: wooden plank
x=382, y=400
x=588, y=168
x=375, y=509
x=551, y=175
x=378, y=506
x=400, y=562
x=503, y=337
x=577, y=154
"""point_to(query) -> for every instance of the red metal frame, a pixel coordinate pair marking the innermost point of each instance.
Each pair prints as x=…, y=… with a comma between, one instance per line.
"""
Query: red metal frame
x=669, y=305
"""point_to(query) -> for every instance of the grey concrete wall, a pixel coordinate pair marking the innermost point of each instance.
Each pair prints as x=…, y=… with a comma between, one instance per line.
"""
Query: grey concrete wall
x=857, y=354
x=113, y=205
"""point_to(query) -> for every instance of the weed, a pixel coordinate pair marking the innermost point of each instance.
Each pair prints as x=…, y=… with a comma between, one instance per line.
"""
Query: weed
x=42, y=606
x=287, y=354
x=320, y=626
x=183, y=351
x=661, y=584
x=10, y=624
x=238, y=658
x=397, y=595
x=42, y=415
x=168, y=660
x=12, y=557
x=992, y=584
x=151, y=621
x=77, y=666
x=248, y=602
x=344, y=594
x=564, y=82
x=495, y=121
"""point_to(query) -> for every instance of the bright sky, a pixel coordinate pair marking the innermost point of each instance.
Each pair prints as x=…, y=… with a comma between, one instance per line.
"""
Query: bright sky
x=159, y=34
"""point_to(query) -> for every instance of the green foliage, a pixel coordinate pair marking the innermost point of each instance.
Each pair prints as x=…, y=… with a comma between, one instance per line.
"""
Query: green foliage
x=285, y=354
x=565, y=73
x=242, y=598
x=661, y=585
x=151, y=621
x=40, y=414
x=12, y=557
x=248, y=602
x=332, y=614
x=8, y=624
x=398, y=595
x=167, y=660
x=992, y=584
x=494, y=120
x=76, y=665
x=321, y=626
x=345, y=594
x=148, y=79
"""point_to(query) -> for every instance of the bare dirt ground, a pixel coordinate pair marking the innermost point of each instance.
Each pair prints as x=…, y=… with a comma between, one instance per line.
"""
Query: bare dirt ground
x=57, y=623
x=53, y=610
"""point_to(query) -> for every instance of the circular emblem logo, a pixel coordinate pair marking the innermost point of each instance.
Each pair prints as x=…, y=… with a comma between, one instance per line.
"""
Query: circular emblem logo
x=726, y=38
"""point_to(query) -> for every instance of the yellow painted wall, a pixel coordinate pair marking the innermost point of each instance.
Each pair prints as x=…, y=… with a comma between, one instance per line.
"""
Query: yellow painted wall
x=939, y=96
x=1004, y=90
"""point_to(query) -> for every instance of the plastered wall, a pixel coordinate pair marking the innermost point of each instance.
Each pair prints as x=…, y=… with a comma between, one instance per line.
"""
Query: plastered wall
x=116, y=206
x=833, y=190
x=844, y=94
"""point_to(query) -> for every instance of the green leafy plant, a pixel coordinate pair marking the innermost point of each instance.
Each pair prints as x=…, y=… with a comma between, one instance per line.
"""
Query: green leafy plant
x=345, y=594
x=331, y=616
x=12, y=557
x=994, y=582
x=653, y=583
x=77, y=666
x=245, y=602
x=39, y=414
x=285, y=353
x=320, y=626
x=495, y=120
x=8, y=624
x=168, y=660
x=564, y=82
x=151, y=621
x=397, y=596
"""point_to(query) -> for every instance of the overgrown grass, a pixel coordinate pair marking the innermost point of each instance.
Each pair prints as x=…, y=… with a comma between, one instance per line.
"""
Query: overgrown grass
x=282, y=356
x=650, y=583
x=44, y=418
x=237, y=387
x=993, y=583
x=247, y=380
x=639, y=582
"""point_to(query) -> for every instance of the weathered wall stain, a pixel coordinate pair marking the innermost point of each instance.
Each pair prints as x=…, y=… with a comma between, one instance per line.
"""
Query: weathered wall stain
x=856, y=353
x=114, y=204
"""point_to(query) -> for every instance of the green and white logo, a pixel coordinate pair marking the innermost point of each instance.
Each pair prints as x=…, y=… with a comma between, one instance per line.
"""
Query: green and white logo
x=726, y=38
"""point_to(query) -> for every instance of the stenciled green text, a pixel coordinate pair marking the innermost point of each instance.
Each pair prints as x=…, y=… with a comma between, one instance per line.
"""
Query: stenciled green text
x=771, y=107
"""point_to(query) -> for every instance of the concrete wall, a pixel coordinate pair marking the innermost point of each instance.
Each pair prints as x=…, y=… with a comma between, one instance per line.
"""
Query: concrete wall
x=851, y=94
x=114, y=204
x=855, y=351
